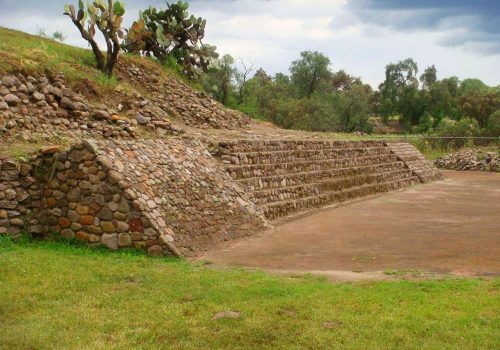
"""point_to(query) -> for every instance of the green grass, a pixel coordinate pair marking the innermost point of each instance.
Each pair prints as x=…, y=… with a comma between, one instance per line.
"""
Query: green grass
x=34, y=55
x=56, y=296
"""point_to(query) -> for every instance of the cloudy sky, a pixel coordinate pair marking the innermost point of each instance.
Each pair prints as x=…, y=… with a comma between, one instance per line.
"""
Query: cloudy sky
x=460, y=37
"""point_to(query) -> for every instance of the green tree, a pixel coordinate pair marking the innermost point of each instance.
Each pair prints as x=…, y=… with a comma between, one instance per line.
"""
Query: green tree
x=310, y=72
x=472, y=86
x=260, y=95
x=480, y=104
x=493, y=125
x=242, y=77
x=219, y=78
x=399, y=92
x=352, y=107
x=443, y=99
x=429, y=77
x=465, y=127
x=342, y=81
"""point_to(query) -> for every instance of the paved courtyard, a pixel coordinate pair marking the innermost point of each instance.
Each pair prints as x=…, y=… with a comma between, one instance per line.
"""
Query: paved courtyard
x=450, y=226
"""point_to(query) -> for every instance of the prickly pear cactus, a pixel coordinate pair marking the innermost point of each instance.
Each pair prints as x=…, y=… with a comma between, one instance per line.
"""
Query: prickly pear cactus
x=108, y=18
x=174, y=32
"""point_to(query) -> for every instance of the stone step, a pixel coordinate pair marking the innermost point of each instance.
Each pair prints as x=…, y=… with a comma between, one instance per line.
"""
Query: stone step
x=260, y=170
x=280, y=181
x=242, y=146
x=287, y=156
x=283, y=208
x=325, y=186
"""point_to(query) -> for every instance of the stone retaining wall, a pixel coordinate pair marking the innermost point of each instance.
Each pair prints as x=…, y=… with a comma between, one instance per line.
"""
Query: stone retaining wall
x=172, y=196
x=19, y=197
x=284, y=176
x=164, y=197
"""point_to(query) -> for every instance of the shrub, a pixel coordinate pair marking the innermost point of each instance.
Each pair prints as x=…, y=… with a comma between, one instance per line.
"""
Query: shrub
x=425, y=124
x=458, y=130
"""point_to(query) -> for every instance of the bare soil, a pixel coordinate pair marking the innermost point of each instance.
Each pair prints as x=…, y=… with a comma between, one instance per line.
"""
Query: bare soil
x=446, y=227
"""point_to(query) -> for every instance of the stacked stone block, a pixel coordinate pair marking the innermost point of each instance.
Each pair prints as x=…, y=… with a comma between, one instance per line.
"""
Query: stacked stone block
x=163, y=197
x=180, y=188
x=19, y=198
x=286, y=176
x=424, y=169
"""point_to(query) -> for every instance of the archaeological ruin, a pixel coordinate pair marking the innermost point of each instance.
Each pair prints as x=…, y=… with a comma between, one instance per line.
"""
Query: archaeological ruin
x=131, y=177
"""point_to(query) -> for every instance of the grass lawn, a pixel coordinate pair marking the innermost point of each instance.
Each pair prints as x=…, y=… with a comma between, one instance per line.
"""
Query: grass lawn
x=56, y=296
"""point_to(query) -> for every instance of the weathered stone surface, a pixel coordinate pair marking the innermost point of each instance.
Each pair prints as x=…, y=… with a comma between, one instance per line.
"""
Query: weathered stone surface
x=142, y=120
x=73, y=216
x=11, y=99
x=74, y=195
x=17, y=222
x=37, y=96
x=66, y=103
x=82, y=236
x=284, y=176
x=110, y=240
x=155, y=250
x=82, y=209
x=122, y=226
x=179, y=100
x=63, y=222
x=108, y=226
x=86, y=219
x=124, y=240
x=8, y=81
x=165, y=239
x=105, y=214
x=415, y=161
x=67, y=233
x=101, y=115
x=45, y=108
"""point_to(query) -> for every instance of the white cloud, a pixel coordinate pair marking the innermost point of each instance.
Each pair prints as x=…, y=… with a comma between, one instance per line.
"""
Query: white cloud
x=273, y=28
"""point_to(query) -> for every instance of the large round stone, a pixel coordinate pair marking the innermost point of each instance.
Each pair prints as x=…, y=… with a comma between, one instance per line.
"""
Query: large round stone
x=110, y=240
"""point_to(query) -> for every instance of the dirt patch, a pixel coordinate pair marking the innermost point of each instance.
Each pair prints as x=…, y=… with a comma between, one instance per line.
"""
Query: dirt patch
x=449, y=227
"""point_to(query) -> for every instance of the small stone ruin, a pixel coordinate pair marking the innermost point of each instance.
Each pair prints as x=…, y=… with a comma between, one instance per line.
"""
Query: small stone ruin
x=470, y=159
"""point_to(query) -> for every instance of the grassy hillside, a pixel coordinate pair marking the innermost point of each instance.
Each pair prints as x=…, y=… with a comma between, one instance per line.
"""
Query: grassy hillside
x=58, y=296
x=31, y=54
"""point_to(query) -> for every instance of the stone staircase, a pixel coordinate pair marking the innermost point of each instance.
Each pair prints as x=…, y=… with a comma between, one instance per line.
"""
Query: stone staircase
x=283, y=177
